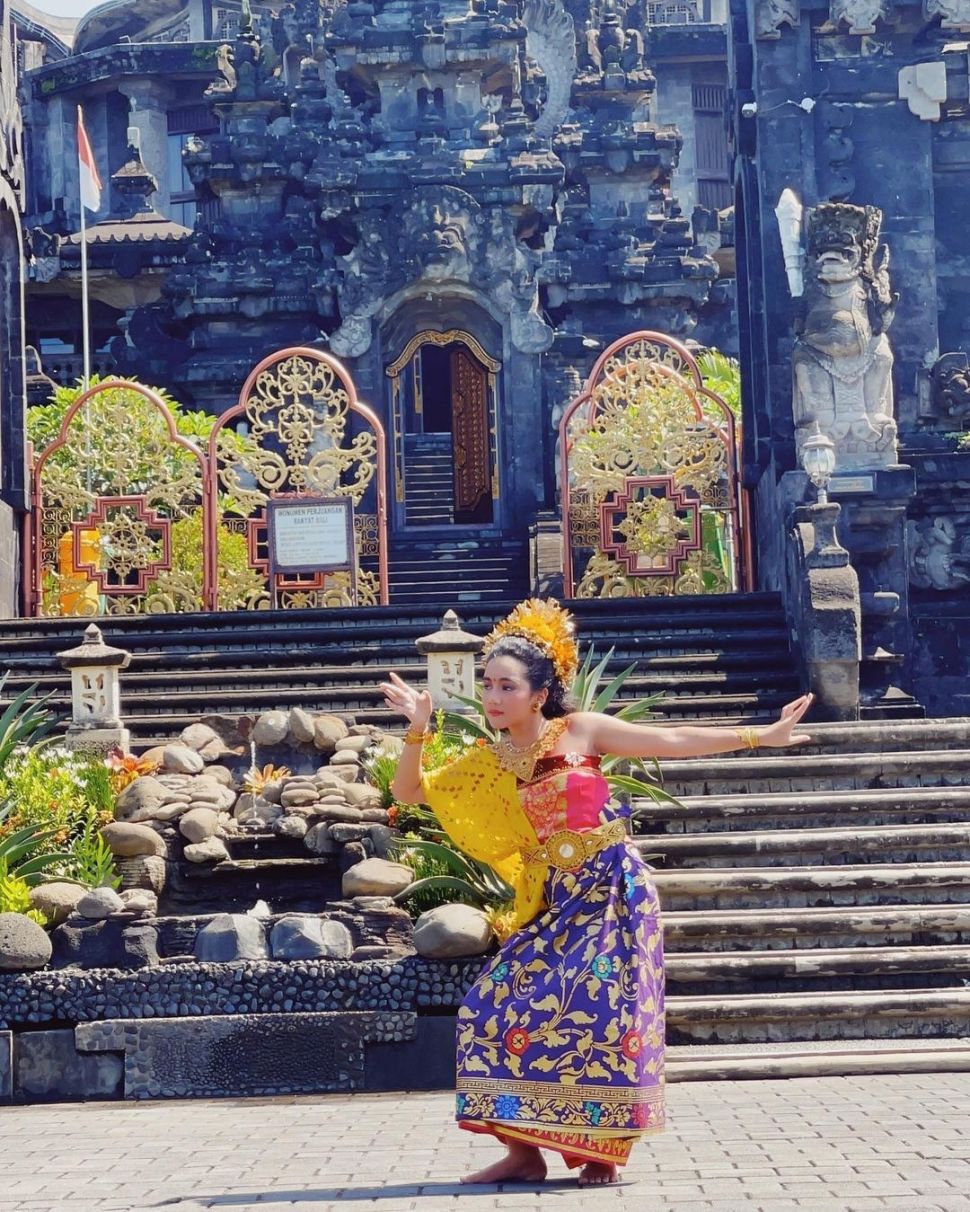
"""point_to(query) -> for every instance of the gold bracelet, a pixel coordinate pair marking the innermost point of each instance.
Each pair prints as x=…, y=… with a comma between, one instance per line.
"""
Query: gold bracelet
x=416, y=738
x=749, y=737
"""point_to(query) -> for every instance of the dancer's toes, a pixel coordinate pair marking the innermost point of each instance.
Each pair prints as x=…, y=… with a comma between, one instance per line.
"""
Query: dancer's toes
x=597, y=1174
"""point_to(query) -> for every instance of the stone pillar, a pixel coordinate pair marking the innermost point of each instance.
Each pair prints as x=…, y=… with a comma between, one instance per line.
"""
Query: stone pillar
x=451, y=663
x=150, y=103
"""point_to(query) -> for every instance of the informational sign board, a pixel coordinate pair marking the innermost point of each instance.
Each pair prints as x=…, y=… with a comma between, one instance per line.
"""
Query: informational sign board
x=311, y=534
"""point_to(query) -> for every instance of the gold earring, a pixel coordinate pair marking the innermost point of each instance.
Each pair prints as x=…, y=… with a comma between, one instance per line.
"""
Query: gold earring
x=536, y=706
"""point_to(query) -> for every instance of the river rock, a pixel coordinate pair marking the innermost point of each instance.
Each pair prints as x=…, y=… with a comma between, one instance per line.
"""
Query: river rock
x=353, y=744
x=362, y=795
x=301, y=725
x=252, y=811
x=318, y=840
x=198, y=824
x=221, y=774
x=377, y=816
x=303, y=936
x=343, y=833
x=376, y=877
x=199, y=736
x=180, y=759
x=344, y=757
x=231, y=936
x=271, y=728
x=451, y=931
x=142, y=871
x=212, y=850
x=127, y=839
x=23, y=944
x=145, y=794
x=164, y=812
x=384, y=839
x=142, y=902
x=273, y=791
x=299, y=797
x=99, y=903
x=327, y=731
x=293, y=826
x=56, y=900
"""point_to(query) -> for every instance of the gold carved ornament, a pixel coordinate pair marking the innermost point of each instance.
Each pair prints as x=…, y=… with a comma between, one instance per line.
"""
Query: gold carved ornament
x=111, y=491
x=295, y=420
x=646, y=419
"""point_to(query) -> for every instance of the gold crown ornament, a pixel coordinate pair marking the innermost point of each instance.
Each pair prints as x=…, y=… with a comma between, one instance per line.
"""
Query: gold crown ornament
x=545, y=624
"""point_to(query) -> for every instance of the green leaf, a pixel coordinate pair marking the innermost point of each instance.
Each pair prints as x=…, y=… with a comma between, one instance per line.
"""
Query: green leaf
x=442, y=883
x=607, y=695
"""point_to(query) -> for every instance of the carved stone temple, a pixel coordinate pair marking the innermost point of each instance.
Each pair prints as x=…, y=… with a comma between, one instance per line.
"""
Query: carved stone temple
x=467, y=201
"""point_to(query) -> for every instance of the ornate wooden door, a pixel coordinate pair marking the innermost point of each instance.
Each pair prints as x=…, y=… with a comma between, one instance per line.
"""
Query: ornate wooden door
x=472, y=444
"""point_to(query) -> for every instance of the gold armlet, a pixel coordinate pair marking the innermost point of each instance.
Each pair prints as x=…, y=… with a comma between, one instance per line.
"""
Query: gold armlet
x=416, y=738
x=750, y=737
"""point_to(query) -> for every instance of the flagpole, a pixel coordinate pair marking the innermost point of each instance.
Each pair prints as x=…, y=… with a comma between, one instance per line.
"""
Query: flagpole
x=85, y=329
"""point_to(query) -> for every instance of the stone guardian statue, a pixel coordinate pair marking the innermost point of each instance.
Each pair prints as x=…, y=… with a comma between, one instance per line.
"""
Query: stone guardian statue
x=842, y=359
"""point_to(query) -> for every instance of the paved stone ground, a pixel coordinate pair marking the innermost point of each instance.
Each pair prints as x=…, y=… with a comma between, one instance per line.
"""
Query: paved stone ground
x=819, y=1143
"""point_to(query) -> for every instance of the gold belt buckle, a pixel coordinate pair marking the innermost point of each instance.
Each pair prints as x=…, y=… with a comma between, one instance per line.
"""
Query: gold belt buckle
x=567, y=850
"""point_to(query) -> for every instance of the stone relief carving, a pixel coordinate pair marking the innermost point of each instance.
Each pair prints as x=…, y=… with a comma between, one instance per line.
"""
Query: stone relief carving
x=836, y=177
x=939, y=552
x=11, y=121
x=771, y=15
x=954, y=14
x=440, y=234
x=951, y=389
x=859, y=15
x=842, y=359
x=551, y=42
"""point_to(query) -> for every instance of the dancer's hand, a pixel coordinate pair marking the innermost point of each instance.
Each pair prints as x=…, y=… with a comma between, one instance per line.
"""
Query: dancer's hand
x=779, y=734
x=415, y=705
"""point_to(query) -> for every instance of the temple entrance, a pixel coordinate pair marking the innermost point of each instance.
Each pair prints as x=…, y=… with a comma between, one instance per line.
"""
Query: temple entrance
x=444, y=397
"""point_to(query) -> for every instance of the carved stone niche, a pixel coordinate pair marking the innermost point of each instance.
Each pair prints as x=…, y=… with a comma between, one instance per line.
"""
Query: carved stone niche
x=842, y=361
x=771, y=15
x=939, y=552
x=954, y=14
x=945, y=392
x=859, y=15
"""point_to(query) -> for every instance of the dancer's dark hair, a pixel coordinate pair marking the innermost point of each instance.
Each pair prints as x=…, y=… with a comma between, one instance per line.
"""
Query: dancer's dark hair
x=539, y=673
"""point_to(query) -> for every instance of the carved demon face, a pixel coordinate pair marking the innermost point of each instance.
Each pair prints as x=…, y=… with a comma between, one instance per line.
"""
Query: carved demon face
x=835, y=255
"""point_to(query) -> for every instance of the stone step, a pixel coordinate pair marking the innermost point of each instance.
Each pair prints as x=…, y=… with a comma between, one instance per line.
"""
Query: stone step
x=737, y=774
x=807, y=847
x=744, y=1062
x=763, y=887
x=717, y=930
x=793, y=810
x=818, y=968
x=876, y=1014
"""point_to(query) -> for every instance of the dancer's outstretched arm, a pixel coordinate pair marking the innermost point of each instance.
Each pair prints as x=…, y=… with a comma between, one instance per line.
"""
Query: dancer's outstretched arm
x=604, y=734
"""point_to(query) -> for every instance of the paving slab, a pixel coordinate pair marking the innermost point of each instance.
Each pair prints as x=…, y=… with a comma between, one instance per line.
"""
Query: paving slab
x=829, y=1143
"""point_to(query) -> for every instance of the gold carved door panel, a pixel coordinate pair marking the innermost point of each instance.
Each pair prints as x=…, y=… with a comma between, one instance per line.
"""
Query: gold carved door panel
x=471, y=437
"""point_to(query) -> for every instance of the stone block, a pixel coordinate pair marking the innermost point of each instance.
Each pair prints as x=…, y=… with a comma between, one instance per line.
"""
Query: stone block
x=376, y=877
x=306, y=936
x=47, y=1067
x=236, y=1055
x=115, y=942
x=451, y=931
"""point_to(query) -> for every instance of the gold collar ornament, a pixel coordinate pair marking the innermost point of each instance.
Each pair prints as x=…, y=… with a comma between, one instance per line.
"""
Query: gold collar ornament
x=545, y=624
x=521, y=760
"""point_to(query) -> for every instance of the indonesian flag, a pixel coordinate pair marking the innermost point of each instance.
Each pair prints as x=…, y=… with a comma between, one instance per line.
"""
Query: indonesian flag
x=90, y=181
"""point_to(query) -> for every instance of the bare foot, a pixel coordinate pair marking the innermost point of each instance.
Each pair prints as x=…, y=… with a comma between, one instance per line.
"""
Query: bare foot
x=597, y=1174
x=522, y=1164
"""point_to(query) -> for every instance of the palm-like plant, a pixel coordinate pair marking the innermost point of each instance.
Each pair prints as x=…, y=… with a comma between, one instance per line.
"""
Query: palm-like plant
x=17, y=852
x=451, y=874
x=23, y=721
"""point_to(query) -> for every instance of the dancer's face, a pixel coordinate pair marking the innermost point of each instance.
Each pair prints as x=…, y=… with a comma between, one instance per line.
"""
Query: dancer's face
x=507, y=696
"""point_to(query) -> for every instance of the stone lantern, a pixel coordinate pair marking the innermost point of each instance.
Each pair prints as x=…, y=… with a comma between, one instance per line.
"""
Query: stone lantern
x=95, y=694
x=451, y=653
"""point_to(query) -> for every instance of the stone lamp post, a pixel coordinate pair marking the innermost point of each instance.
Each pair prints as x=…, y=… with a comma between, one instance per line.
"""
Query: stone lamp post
x=96, y=694
x=450, y=654
x=818, y=459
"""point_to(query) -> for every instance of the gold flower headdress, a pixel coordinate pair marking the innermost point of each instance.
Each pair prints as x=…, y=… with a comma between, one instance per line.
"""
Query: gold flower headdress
x=546, y=625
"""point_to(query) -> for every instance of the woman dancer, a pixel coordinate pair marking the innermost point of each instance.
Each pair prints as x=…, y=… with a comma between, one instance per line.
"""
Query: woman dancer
x=561, y=1039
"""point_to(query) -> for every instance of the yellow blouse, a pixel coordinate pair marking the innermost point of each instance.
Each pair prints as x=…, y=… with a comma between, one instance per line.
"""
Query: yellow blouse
x=477, y=803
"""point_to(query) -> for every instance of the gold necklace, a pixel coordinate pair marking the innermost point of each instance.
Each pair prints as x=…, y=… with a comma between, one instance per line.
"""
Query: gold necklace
x=521, y=760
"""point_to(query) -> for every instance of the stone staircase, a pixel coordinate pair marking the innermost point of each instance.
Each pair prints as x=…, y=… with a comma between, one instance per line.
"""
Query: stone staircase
x=712, y=658
x=429, y=491
x=818, y=895
x=473, y=571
